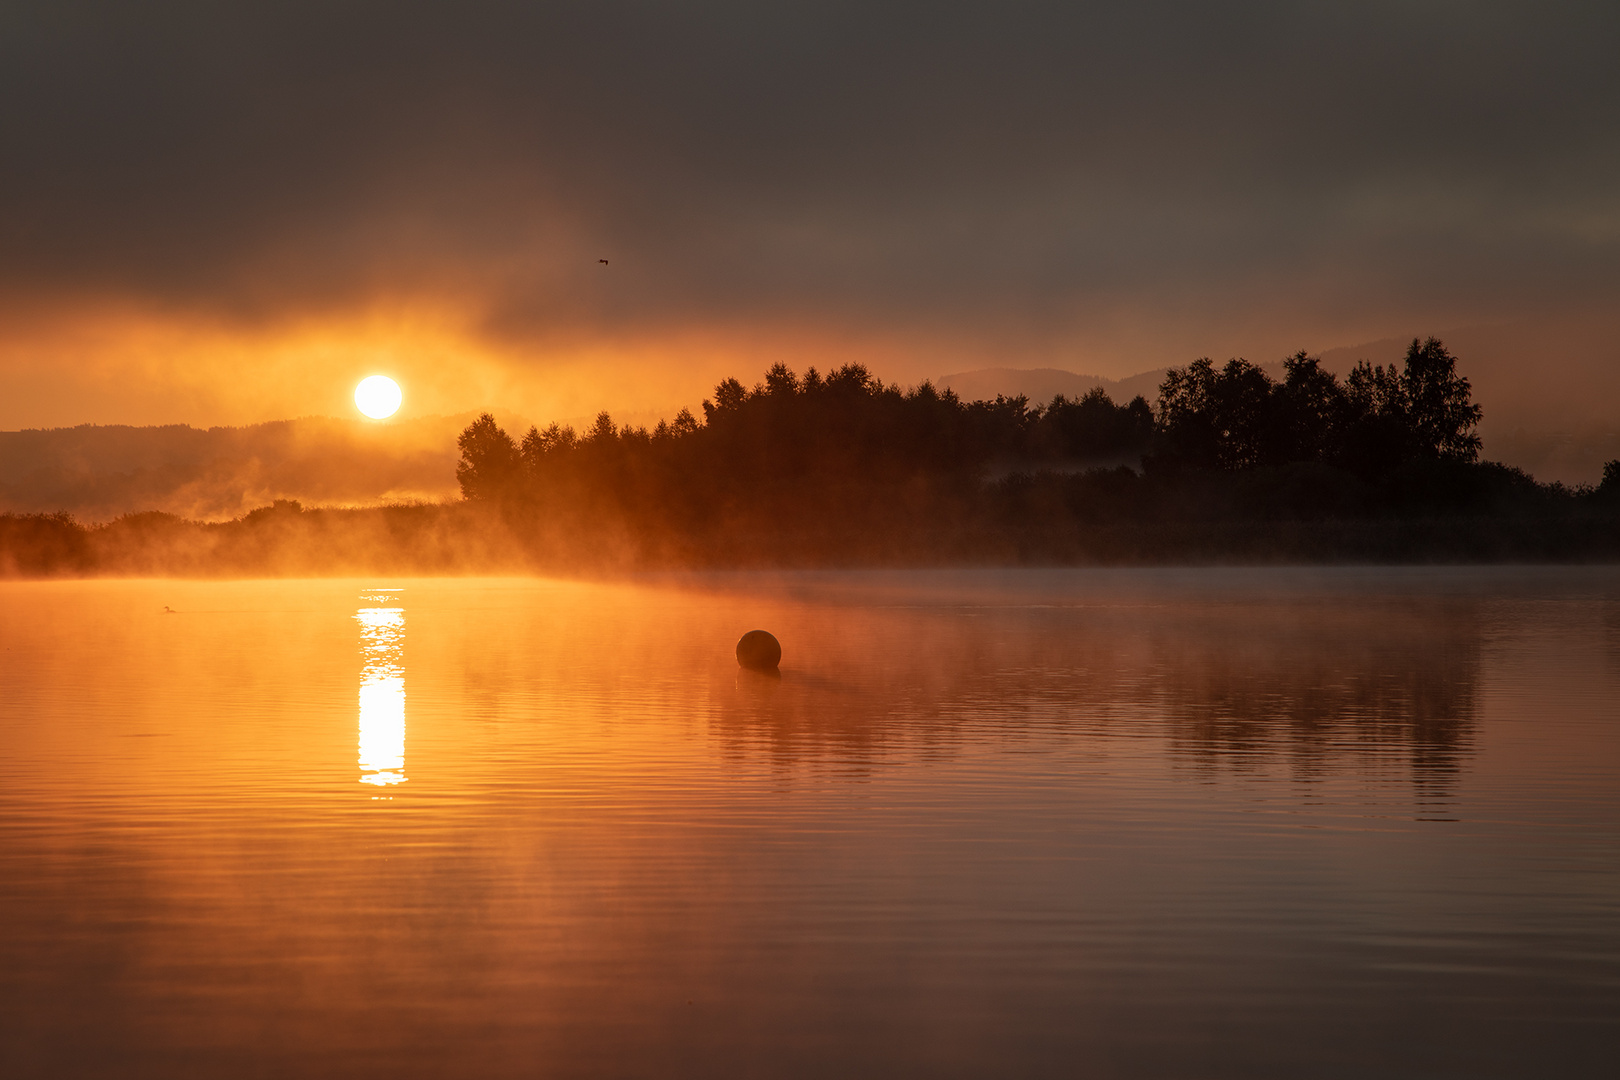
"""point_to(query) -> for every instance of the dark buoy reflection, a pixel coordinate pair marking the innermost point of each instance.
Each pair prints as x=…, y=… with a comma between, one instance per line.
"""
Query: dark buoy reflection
x=755, y=683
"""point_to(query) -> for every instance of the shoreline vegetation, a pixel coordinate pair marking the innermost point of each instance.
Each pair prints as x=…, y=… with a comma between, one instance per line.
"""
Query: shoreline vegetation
x=1228, y=466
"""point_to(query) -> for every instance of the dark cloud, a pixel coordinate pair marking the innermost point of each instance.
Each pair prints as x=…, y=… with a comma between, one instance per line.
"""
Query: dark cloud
x=971, y=166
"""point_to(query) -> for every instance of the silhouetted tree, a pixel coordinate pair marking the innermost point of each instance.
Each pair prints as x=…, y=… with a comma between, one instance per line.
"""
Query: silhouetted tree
x=1377, y=436
x=1609, y=488
x=1225, y=419
x=1442, y=418
x=602, y=431
x=490, y=460
x=781, y=382
x=1419, y=411
x=728, y=397
x=1093, y=427
x=1237, y=417
x=1313, y=412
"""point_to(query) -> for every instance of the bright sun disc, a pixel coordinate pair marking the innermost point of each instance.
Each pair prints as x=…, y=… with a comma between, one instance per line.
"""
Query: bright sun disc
x=377, y=396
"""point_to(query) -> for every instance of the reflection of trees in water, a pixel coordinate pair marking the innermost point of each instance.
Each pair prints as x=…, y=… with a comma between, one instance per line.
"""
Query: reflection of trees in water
x=1373, y=686
x=877, y=684
x=1320, y=687
x=828, y=720
x=1611, y=632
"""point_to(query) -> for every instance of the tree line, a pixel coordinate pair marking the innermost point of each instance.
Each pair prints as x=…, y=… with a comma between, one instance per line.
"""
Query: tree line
x=1230, y=464
x=844, y=425
x=1237, y=417
x=821, y=466
x=850, y=427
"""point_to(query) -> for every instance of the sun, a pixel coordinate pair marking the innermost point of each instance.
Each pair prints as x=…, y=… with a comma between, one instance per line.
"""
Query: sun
x=377, y=396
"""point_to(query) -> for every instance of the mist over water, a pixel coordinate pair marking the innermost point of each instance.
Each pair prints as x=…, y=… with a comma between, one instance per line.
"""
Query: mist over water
x=1260, y=822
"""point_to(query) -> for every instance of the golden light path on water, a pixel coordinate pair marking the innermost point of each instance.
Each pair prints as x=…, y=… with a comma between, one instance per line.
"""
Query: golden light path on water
x=382, y=690
x=998, y=822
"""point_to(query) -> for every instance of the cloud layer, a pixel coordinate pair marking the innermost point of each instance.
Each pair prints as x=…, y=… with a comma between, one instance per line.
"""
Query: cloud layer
x=1097, y=187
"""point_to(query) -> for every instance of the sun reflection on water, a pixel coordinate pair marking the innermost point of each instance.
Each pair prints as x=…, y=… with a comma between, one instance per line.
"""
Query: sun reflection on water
x=382, y=689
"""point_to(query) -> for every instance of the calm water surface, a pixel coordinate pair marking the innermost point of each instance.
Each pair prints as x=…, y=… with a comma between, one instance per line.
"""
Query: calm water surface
x=1147, y=823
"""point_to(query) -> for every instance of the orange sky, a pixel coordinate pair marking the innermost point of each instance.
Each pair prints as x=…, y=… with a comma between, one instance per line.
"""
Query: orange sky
x=229, y=216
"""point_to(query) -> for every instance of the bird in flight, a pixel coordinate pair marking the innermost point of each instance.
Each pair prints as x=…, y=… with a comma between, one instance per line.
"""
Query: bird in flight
x=602, y=261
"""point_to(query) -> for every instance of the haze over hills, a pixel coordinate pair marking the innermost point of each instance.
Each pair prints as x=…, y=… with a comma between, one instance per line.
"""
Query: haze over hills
x=99, y=472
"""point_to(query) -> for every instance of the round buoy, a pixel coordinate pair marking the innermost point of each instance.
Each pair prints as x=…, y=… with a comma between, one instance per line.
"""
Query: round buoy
x=759, y=650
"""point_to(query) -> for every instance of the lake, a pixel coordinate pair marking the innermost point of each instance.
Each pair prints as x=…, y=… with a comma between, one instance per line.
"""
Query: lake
x=1144, y=823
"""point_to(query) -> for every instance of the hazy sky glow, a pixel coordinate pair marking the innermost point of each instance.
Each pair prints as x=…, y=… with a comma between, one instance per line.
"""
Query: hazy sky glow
x=225, y=213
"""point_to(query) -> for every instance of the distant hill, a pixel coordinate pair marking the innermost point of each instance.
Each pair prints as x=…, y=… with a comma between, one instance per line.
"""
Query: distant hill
x=1041, y=385
x=98, y=472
